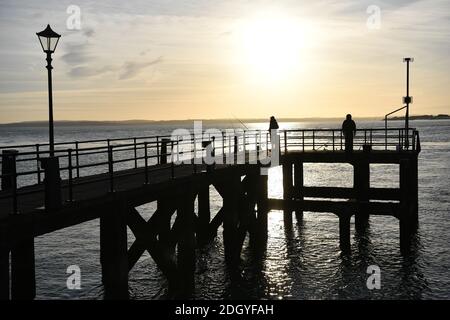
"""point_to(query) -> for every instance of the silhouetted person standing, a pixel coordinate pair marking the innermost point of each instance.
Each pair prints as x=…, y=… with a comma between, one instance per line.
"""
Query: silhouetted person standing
x=349, y=130
x=273, y=126
x=273, y=123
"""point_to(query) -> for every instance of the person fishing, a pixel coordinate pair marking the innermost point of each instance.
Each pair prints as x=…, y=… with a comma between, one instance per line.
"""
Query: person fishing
x=273, y=127
x=273, y=123
x=349, y=131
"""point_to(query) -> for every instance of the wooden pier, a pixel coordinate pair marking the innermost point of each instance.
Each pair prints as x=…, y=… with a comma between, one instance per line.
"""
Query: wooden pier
x=109, y=179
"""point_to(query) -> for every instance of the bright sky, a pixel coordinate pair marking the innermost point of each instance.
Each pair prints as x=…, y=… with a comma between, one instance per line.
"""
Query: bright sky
x=174, y=59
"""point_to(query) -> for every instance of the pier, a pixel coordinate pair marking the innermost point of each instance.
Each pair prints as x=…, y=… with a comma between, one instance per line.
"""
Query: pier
x=109, y=179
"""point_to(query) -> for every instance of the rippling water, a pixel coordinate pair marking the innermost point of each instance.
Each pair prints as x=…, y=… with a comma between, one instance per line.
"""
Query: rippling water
x=302, y=261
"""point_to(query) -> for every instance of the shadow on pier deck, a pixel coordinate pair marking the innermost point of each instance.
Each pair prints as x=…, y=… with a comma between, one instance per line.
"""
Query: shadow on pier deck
x=155, y=174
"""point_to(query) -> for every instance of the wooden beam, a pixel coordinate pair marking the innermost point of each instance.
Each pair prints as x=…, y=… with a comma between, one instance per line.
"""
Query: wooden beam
x=375, y=208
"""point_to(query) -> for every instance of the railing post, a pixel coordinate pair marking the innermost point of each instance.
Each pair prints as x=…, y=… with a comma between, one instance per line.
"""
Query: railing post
x=77, y=160
x=157, y=151
x=164, y=143
x=313, y=138
x=111, y=167
x=9, y=169
x=385, y=133
x=146, y=162
x=38, y=164
x=172, y=163
x=69, y=164
x=135, y=154
x=236, y=145
x=52, y=183
x=223, y=143
x=333, y=140
x=243, y=143
x=285, y=142
x=303, y=140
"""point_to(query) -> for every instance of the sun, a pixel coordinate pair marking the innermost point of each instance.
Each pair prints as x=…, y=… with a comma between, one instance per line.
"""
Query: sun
x=270, y=46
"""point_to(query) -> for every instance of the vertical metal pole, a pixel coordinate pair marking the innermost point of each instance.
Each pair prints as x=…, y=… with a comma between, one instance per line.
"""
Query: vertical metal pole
x=407, y=103
x=157, y=149
x=333, y=140
x=303, y=140
x=77, y=160
x=172, y=168
x=313, y=138
x=14, y=185
x=111, y=168
x=69, y=161
x=385, y=133
x=135, y=154
x=285, y=142
x=146, y=162
x=38, y=164
x=50, y=105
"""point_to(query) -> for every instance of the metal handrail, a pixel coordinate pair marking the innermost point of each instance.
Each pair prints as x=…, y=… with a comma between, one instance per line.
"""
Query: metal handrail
x=150, y=152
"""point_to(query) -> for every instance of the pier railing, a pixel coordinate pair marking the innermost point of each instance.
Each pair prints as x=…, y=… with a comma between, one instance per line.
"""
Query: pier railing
x=102, y=159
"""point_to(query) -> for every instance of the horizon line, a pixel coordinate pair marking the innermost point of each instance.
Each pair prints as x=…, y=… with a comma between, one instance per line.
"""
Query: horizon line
x=198, y=119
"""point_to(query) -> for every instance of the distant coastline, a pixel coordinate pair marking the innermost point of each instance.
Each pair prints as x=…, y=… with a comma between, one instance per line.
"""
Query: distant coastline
x=424, y=117
x=69, y=123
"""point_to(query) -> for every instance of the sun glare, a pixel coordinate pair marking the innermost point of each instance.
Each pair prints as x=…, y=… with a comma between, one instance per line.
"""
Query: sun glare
x=271, y=46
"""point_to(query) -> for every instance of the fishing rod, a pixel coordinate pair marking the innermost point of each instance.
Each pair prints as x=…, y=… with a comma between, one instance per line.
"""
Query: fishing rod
x=240, y=121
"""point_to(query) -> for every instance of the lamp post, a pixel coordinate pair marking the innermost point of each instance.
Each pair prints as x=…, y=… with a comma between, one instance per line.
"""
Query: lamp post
x=407, y=100
x=52, y=182
x=49, y=40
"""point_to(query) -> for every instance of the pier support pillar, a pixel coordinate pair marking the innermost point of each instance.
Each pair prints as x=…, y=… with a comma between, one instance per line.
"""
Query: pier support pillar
x=230, y=220
x=344, y=232
x=361, y=185
x=113, y=251
x=262, y=210
x=407, y=215
x=4, y=273
x=23, y=282
x=287, y=192
x=204, y=215
x=298, y=187
x=164, y=208
x=414, y=191
x=186, y=244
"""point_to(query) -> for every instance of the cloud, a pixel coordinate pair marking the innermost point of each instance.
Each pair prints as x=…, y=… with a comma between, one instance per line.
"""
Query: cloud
x=131, y=69
x=84, y=72
x=76, y=54
x=89, y=32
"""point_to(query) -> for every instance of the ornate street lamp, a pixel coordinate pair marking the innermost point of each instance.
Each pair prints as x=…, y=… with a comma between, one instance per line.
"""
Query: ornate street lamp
x=49, y=40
